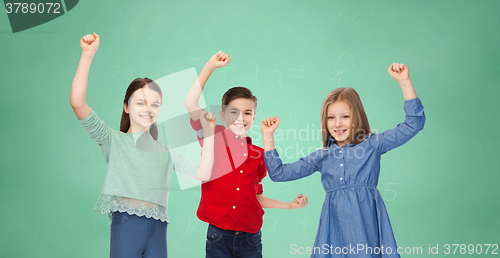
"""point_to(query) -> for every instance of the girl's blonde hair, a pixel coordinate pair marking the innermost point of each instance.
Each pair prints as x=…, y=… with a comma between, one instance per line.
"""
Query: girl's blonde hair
x=359, y=127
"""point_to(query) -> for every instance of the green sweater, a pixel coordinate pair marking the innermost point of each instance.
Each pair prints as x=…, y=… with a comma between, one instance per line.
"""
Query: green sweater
x=139, y=171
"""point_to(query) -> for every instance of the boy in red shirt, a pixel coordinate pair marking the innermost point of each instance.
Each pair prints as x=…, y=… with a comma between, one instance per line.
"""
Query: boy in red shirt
x=232, y=201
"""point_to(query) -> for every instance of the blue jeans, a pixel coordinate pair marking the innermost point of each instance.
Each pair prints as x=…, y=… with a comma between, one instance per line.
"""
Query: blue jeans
x=223, y=243
x=136, y=237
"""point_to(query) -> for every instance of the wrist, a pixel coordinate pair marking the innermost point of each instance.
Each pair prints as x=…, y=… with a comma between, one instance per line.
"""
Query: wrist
x=87, y=56
x=405, y=82
x=268, y=136
x=209, y=67
x=207, y=133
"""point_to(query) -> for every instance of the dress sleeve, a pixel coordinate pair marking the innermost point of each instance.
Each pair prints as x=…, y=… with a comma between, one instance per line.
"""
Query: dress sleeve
x=96, y=128
x=393, y=138
x=183, y=165
x=279, y=172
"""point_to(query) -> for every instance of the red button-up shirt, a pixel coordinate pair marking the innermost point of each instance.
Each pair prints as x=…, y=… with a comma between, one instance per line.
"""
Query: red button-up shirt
x=229, y=199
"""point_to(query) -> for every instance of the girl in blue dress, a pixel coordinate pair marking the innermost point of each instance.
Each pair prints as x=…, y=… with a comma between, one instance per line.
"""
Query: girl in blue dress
x=354, y=221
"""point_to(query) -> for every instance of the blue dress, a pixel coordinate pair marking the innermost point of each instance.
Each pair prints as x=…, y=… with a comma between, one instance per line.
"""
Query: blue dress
x=354, y=221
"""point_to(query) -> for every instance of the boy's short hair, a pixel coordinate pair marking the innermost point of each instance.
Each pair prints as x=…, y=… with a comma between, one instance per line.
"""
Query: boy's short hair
x=237, y=93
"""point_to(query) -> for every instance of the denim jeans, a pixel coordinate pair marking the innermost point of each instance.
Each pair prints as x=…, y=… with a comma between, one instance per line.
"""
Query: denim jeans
x=136, y=237
x=223, y=243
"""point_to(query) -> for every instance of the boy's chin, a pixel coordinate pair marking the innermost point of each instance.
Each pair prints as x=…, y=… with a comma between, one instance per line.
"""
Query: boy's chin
x=238, y=131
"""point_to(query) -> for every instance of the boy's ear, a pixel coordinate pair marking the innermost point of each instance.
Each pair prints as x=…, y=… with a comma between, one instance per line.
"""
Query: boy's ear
x=254, y=116
x=125, y=108
x=222, y=116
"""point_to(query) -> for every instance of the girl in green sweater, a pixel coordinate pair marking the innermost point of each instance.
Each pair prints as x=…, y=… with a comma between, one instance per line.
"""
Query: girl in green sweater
x=140, y=169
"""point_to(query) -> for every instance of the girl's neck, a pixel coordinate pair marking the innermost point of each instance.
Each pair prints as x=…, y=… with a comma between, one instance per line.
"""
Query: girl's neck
x=137, y=131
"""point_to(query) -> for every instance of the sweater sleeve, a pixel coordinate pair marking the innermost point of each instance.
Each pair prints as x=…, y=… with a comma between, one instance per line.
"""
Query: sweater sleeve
x=183, y=165
x=98, y=131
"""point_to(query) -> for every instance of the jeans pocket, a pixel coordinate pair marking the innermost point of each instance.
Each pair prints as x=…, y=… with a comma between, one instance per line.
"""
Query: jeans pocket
x=255, y=240
x=120, y=217
x=214, y=235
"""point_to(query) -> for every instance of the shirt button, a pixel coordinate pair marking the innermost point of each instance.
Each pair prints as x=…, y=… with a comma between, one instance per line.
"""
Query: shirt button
x=241, y=171
x=244, y=154
x=234, y=207
x=241, y=143
x=341, y=178
x=236, y=136
x=341, y=165
x=340, y=151
x=237, y=189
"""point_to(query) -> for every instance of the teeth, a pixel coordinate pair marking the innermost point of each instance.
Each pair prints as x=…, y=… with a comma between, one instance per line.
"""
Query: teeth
x=146, y=117
x=239, y=125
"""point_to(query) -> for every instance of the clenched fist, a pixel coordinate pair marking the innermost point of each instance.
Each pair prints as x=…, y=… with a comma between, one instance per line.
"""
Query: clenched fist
x=399, y=72
x=89, y=43
x=220, y=59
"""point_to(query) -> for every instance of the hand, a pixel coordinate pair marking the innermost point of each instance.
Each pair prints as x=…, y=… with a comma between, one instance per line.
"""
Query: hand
x=399, y=72
x=269, y=125
x=220, y=59
x=208, y=121
x=299, y=202
x=89, y=43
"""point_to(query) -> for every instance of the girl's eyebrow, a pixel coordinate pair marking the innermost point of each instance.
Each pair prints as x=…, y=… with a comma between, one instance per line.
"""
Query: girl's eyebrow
x=330, y=114
x=153, y=102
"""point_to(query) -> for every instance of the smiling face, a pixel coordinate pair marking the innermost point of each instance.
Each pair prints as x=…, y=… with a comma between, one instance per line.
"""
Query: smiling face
x=143, y=109
x=339, y=122
x=239, y=116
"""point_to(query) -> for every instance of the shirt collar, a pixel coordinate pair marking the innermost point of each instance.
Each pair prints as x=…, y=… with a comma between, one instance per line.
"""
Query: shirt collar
x=331, y=142
x=237, y=137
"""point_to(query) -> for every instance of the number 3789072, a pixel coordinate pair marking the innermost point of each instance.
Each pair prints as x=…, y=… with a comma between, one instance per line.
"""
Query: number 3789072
x=471, y=249
x=32, y=7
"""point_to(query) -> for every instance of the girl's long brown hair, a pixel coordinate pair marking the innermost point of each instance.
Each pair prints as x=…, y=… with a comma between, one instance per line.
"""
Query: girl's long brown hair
x=360, y=127
x=136, y=85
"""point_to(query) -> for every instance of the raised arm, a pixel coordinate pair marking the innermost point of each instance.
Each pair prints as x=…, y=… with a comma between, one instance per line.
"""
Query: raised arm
x=277, y=171
x=203, y=170
x=401, y=74
x=220, y=59
x=268, y=127
x=89, y=44
x=208, y=121
x=415, y=116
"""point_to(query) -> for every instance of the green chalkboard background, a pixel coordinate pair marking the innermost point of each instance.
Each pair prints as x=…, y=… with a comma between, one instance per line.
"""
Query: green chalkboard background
x=440, y=188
